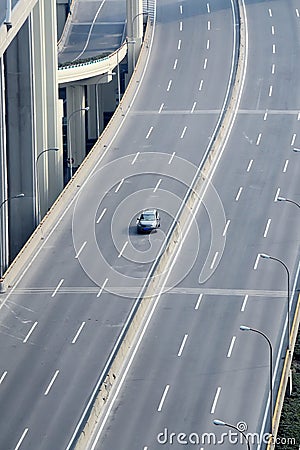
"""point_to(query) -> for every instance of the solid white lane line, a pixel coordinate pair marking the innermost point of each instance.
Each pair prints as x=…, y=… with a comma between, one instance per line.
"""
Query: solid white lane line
x=123, y=248
x=180, y=9
x=21, y=439
x=169, y=85
x=273, y=49
x=135, y=158
x=200, y=85
x=285, y=166
x=226, y=227
x=267, y=227
x=80, y=250
x=208, y=25
x=208, y=7
x=205, y=64
x=163, y=398
x=182, y=345
x=51, y=383
x=266, y=115
x=57, y=287
x=101, y=215
x=244, y=303
x=256, y=261
x=183, y=132
x=102, y=287
x=293, y=139
x=272, y=30
x=297, y=12
x=238, y=194
x=213, y=408
x=270, y=12
x=175, y=64
x=119, y=185
x=273, y=69
x=198, y=302
x=231, y=346
x=180, y=26
x=270, y=91
x=149, y=132
x=249, y=165
x=78, y=333
x=30, y=332
x=258, y=139
x=157, y=185
x=207, y=44
x=193, y=107
x=3, y=376
x=171, y=159
x=277, y=195
x=214, y=260
x=179, y=44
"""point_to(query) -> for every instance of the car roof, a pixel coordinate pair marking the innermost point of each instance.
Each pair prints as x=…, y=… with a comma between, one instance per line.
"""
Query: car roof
x=149, y=211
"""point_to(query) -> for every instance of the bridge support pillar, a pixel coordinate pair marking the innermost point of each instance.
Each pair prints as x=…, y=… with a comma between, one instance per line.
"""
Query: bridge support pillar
x=134, y=10
x=76, y=124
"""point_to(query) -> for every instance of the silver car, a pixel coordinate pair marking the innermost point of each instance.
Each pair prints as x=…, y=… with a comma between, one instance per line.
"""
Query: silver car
x=148, y=221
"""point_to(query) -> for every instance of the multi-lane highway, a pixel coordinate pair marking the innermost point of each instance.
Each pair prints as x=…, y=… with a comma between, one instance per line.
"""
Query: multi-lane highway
x=60, y=321
x=194, y=364
x=58, y=326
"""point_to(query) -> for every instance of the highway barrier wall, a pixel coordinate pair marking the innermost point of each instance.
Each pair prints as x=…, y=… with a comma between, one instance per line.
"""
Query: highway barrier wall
x=140, y=311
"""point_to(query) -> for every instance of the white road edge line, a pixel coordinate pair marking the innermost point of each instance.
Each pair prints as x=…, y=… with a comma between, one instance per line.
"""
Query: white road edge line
x=136, y=156
x=213, y=408
x=21, y=439
x=267, y=228
x=249, y=165
x=3, y=376
x=102, y=287
x=226, y=227
x=80, y=250
x=161, y=403
x=182, y=345
x=285, y=166
x=157, y=185
x=244, y=303
x=198, y=302
x=183, y=132
x=57, y=287
x=149, y=132
x=122, y=250
x=78, y=333
x=231, y=347
x=101, y=215
x=30, y=332
x=51, y=383
x=256, y=261
x=277, y=195
x=238, y=194
x=293, y=139
x=119, y=185
x=172, y=157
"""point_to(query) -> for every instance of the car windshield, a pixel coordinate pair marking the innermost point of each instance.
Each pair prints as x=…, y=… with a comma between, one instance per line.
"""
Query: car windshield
x=148, y=216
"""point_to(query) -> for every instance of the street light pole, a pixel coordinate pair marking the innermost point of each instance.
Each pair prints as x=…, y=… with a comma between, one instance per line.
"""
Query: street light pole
x=283, y=199
x=2, y=240
x=69, y=136
x=245, y=328
x=37, y=193
x=265, y=256
x=224, y=424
